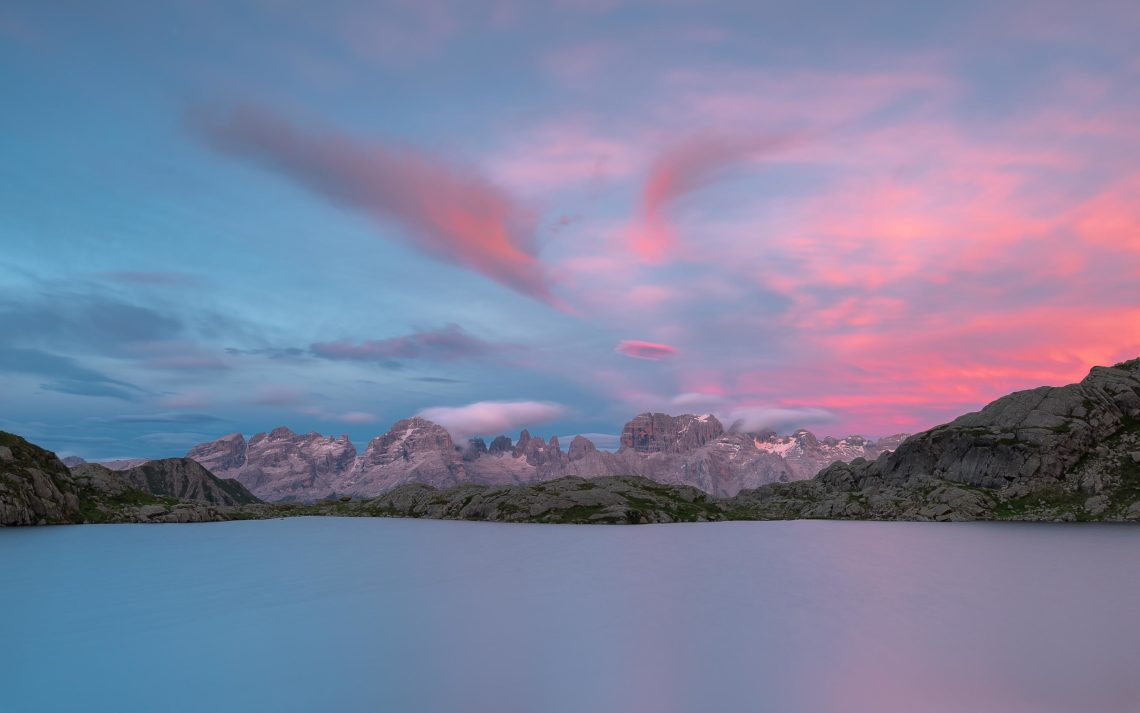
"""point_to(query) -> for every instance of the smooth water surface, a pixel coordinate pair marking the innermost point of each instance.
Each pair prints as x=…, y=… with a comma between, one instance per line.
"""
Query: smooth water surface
x=330, y=614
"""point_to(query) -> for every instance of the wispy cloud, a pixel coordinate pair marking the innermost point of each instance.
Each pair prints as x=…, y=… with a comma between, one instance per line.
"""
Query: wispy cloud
x=156, y=278
x=444, y=344
x=66, y=376
x=447, y=211
x=166, y=417
x=681, y=170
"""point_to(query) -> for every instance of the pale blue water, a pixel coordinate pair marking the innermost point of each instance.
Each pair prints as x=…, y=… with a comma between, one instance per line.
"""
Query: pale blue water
x=329, y=614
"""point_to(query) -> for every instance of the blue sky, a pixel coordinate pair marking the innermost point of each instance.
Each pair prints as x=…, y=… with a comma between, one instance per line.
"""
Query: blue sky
x=221, y=217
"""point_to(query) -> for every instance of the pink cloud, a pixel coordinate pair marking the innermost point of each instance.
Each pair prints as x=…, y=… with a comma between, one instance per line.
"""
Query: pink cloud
x=357, y=417
x=492, y=417
x=354, y=417
x=680, y=171
x=278, y=396
x=645, y=350
x=450, y=213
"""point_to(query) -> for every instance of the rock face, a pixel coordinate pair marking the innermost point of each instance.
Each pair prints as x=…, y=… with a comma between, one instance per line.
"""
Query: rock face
x=223, y=455
x=413, y=450
x=682, y=450
x=35, y=486
x=662, y=433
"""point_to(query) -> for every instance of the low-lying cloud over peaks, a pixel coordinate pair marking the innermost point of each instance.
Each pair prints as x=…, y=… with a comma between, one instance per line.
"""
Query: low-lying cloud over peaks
x=751, y=419
x=447, y=211
x=489, y=418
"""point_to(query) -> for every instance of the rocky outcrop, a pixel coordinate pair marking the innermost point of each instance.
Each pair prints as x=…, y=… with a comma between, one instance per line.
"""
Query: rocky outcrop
x=180, y=478
x=1042, y=454
x=501, y=444
x=35, y=486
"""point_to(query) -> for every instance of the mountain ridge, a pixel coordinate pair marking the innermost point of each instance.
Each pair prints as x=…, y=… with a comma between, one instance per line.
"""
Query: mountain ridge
x=688, y=449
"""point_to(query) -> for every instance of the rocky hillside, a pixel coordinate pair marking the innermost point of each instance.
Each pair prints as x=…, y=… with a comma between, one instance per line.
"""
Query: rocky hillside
x=681, y=450
x=605, y=500
x=37, y=488
x=179, y=478
x=1068, y=453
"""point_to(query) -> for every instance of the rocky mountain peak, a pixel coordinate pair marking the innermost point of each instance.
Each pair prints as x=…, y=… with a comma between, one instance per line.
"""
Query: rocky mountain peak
x=501, y=444
x=408, y=436
x=662, y=433
x=228, y=453
x=580, y=447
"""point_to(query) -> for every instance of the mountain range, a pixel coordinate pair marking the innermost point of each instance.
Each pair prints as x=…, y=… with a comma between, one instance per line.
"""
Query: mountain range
x=689, y=449
x=1069, y=453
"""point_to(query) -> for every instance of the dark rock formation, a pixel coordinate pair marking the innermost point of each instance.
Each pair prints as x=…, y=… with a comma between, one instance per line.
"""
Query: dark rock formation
x=501, y=444
x=180, y=478
x=605, y=500
x=475, y=447
x=35, y=486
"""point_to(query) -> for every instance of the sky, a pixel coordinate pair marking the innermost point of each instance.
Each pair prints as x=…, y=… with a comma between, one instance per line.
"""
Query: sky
x=850, y=217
